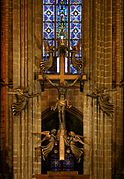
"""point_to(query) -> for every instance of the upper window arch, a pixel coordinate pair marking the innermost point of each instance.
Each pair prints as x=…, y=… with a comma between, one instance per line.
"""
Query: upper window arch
x=62, y=19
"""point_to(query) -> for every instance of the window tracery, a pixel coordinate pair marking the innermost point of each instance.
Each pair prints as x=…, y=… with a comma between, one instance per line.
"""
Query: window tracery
x=62, y=19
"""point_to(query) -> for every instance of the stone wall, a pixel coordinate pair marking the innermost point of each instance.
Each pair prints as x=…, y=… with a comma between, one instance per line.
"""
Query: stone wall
x=102, y=43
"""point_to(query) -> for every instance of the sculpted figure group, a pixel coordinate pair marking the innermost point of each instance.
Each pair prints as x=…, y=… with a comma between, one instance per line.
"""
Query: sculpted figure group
x=51, y=139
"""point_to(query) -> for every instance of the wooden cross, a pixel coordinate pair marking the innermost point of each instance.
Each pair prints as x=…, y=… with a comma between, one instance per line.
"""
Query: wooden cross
x=62, y=77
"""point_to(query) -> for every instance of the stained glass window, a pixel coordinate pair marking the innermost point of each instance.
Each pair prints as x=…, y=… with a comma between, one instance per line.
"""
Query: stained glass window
x=62, y=18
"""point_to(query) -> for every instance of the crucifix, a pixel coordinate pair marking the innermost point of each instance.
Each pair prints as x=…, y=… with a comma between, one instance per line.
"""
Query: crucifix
x=62, y=81
x=62, y=87
x=62, y=77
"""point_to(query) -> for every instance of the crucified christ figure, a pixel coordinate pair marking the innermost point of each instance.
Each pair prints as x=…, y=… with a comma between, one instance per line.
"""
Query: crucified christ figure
x=62, y=101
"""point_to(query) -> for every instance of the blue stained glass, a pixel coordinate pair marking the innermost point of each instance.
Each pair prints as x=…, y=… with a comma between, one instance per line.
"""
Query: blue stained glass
x=73, y=42
x=75, y=32
x=48, y=13
x=62, y=2
x=72, y=69
x=56, y=19
x=48, y=30
x=56, y=164
x=75, y=1
x=75, y=13
x=66, y=29
x=61, y=18
x=68, y=163
x=48, y=1
x=61, y=11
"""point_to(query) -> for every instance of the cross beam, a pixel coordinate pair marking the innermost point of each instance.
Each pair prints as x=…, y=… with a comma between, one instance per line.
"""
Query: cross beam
x=61, y=76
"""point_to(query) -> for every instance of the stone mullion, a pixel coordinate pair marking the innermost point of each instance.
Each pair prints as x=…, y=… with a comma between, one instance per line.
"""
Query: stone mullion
x=87, y=132
x=122, y=77
x=95, y=140
x=102, y=59
x=118, y=41
x=101, y=146
x=93, y=150
x=119, y=65
x=98, y=60
x=10, y=50
x=25, y=117
x=94, y=80
x=16, y=43
x=19, y=123
x=22, y=43
x=85, y=30
x=90, y=41
x=108, y=44
x=37, y=109
x=14, y=62
x=114, y=58
x=101, y=82
x=4, y=89
x=114, y=132
x=32, y=57
x=122, y=39
x=85, y=54
x=16, y=79
x=108, y=84
x=23, y=84
x=100, y=135
x=34, y=120
x=93, y=76
x=4, y=77
x=94, y=40
x=98, y=81
x=107, y=149
x=89, y=102
x=10, y=81
x=30, y=60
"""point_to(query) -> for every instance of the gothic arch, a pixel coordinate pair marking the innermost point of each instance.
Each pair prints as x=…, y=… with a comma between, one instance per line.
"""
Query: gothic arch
x=50, y=119
x=74, y=122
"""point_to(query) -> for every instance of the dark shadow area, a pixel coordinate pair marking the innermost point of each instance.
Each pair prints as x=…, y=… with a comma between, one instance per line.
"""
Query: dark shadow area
x=5, y=169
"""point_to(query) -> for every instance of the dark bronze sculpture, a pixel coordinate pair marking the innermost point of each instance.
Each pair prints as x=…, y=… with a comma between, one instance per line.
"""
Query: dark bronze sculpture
x=77, y=64
x=46, y=65
x=51, y=138
x=22, y=97
x=103, y=100
x=62, y=101
x=70, y=139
